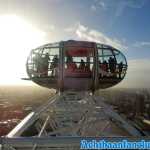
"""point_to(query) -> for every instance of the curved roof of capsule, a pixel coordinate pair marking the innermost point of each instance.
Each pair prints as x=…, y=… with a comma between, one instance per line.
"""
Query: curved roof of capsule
x=56, y=44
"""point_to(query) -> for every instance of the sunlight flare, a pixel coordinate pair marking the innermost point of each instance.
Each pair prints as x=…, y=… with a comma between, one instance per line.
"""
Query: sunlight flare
x=17, y=38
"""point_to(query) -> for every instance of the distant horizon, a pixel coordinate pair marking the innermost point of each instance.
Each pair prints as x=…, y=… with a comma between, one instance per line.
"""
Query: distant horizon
x=37, y=86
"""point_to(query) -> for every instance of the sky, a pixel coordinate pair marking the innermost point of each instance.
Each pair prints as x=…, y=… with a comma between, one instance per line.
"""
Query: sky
x=27, y=24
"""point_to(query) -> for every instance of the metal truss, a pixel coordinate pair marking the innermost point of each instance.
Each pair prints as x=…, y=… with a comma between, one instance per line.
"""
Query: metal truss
x=64, y=120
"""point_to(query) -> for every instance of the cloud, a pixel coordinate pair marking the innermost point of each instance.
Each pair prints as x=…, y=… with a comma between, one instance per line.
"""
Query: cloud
x=93, y=8
x=99, y=4
x=85, y=33
x=102, y=4
x=71, y=29
x=141, y=44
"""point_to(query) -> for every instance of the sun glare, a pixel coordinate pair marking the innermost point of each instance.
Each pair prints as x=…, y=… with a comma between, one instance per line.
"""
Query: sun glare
x=17, y=38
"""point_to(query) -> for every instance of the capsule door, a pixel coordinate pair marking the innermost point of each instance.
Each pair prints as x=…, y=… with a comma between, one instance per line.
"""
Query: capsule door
x=78, y=66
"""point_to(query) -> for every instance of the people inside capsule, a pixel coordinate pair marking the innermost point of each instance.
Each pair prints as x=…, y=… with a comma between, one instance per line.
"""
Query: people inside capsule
x=38, y=64
x=82, y=70
x=103, y=69
x=110, y=69
x=54, y=65
x=45, y=65
x=69, y=59
x=120, y=69
x=87, y=67
x=112, y=66
x=70, y=64
x=82, y=65
x=99, y=69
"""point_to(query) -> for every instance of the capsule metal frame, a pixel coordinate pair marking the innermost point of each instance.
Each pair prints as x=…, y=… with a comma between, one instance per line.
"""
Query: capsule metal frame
x=79, y=80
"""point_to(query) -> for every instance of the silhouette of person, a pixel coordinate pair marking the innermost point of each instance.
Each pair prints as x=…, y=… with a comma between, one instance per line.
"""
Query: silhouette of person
x=82, y=64
x=54, y=65
x=104, y=67
x=38, y=64
x=100, y=68
x=112, y=65
x=120, y=67
x=110, y=61
x=70, y=64
x=87, y=67
x=69, y=59
x=46, y=64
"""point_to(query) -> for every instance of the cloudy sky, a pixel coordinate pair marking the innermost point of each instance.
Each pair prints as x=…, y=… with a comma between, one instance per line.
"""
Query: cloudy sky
x=26, y=24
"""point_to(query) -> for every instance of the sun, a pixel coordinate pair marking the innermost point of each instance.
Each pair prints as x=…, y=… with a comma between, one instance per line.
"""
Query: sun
x=17, y=38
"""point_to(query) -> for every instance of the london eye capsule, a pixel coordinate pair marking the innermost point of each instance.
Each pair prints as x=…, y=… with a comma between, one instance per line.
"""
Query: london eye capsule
x=76, y=65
